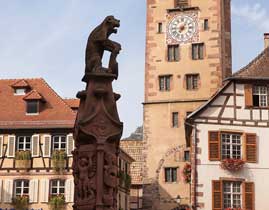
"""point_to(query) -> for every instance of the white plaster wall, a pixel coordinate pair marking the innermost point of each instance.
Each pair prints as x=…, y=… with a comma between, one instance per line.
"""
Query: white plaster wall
x=257, y=173
x=229, y=89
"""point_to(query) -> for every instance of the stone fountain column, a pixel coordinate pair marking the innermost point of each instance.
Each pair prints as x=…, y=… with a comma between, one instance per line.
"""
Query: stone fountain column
x=98, y=128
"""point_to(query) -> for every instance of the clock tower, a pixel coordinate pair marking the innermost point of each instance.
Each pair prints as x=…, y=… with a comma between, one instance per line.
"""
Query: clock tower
x=188, y=54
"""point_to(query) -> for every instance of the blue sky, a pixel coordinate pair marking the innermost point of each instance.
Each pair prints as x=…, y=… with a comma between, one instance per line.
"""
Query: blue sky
x=48, y=38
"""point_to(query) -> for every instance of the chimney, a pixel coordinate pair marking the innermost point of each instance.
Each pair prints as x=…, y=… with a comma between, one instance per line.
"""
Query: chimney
x=266, y=40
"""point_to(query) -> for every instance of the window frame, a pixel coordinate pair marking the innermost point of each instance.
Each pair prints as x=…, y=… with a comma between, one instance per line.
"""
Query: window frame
x=172, y=176
x=198, y=51
x=260, y=94
x=60, y=136
x=175, y=119
x=58, y=187
x=24, y=143
x=232, y=194
x=165, y=83
x=30, y=102
x=185, y=156
x=194, y=81
x=159, y=27
x=206, y=24
x=22, y=187
x=230, y=146
x=18, y=93
x=173, y=53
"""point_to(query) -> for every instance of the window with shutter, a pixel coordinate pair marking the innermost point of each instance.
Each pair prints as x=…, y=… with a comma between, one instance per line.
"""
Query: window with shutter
x=33, y=191
x=216, y=195
x=249, y=197
x=44, y=190
x=214, y=145
x=69, y=190
x=47, y=146
x=70, y=145
x=35, y=146
x=248, y=95
x=251, y=147
x=11, y=146
x=1, y=147
x=7, y=191
x=1, y=181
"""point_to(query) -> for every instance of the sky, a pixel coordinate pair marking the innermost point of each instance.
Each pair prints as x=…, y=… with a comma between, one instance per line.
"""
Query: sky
x=47, y=38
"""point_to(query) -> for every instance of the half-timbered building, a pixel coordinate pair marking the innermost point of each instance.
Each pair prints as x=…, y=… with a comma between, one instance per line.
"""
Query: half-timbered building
x=36, y=146
x=229, y=136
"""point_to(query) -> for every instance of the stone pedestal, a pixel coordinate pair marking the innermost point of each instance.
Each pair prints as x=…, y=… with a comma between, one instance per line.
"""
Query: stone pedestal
x=97, y=134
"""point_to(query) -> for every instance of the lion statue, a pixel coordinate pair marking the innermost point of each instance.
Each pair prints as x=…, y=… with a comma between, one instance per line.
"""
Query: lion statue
x=98, y=42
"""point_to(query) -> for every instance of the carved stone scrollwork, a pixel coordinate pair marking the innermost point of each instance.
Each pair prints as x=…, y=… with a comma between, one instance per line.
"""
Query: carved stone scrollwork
x=98, y=128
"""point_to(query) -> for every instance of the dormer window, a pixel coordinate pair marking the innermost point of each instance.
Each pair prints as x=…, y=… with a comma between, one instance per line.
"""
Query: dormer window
x=19, y=91
x=32, y=107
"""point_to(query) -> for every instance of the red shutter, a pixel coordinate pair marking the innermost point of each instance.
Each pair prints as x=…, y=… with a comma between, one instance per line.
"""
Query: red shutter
x=249, y=196
x=214, y=145
x=248, y=95
x=251, y=147
x=216, y=195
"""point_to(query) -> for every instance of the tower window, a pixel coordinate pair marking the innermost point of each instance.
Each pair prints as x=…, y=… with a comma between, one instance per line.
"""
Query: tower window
x=175, y=119
x=181, y=3
x=206, y=25
x=160, y=27
x=32, y=107
x=187, y=155
x=164, y=82
x=173, y=53
x=192, y=81
x=198, y=51
x=170, y=174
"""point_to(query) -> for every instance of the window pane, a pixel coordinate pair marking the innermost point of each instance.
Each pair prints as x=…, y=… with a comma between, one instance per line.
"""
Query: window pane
x=170, y=53
x=175, y=119
x=174, y=175
x=201, y=51
x=176, y=51
x=32, y=107
x=167, y=175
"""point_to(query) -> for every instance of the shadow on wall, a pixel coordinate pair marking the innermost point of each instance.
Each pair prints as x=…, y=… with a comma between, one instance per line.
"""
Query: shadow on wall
x=155, y=197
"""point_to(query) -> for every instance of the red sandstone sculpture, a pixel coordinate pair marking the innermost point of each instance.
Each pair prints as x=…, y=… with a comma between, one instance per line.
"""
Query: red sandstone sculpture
x=98, y=128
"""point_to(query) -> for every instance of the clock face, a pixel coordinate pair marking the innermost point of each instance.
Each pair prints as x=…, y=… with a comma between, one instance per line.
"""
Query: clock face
x=182, y=29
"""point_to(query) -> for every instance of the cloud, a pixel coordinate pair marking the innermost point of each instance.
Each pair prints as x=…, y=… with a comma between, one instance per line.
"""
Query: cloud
x=255, y=14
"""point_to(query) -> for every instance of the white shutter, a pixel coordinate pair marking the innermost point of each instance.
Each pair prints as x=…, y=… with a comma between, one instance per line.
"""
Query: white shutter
x=1, y=190
x=69, y=145
x=33, y=191
x=7, y=191
x=69, y=191
x=11, y=146
x=47, y=146
x=1, y=147
x=35, y=145
x=44, y=190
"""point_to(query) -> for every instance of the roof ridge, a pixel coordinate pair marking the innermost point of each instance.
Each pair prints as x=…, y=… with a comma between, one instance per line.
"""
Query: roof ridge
x=18, y=79
x=266, y=50
x=57, y=95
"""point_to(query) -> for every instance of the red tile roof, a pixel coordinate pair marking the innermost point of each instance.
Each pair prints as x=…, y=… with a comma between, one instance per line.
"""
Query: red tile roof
x=72, y=102
x=33, y=95
x=256, y=69
x=55, y=112
x=20, y=83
